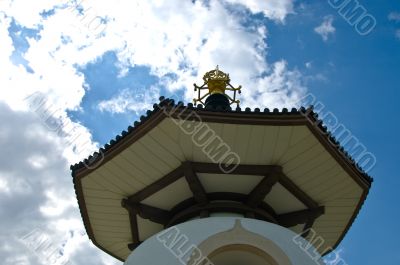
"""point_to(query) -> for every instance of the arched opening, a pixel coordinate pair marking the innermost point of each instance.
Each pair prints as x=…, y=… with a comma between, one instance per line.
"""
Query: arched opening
x=240, y=254
x=238, y=246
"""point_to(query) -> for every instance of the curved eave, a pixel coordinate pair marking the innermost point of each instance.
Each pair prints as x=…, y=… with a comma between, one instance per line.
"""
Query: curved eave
x=85, y=217
x=294, y=117
x=300, y=116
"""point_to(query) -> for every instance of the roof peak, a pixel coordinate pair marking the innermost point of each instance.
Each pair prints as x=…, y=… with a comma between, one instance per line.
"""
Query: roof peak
x=217, y=83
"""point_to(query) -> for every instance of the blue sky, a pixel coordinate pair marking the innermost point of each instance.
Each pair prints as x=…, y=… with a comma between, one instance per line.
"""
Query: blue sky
x=100, y=66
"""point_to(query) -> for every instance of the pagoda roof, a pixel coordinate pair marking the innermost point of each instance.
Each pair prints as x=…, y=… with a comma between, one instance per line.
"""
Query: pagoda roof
x=307, y=196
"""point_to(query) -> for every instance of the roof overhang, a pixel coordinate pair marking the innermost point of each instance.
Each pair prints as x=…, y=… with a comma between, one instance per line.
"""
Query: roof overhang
x=291, y=172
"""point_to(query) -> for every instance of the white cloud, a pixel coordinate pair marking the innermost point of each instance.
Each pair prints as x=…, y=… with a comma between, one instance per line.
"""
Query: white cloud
x=326, y=28
x=164, y=35
x=273, y=9
x=335, y=257
x=394, y=16
x=26, y=13
x=37, y=161
x=397, y=34
x=37, y=154
x=4, y=185
x=40, y=141
x=280, y=88
x=167, y=41
x=198, y=37
x=32, y=197
x=132, y=101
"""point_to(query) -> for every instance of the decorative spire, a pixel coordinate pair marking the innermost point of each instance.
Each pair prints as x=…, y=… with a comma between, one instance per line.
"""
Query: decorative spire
x=217, y=83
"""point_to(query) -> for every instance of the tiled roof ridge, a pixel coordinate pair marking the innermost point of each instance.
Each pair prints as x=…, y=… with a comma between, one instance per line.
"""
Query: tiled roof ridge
x=308, y=112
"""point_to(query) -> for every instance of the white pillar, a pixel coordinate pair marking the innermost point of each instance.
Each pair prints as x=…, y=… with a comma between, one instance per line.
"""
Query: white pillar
x=225, y=241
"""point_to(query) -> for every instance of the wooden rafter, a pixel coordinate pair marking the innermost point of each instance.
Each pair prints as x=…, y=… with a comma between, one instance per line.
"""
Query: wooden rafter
x=297, y=192
x=300, y=217
x=157, y=185
x=307, y=226
x=202, y=204
x=152, y=213
x=220, y=207
x=133, y=224
x=241, y=169
x=242, y=118
x=258, y=194
x=199, y=193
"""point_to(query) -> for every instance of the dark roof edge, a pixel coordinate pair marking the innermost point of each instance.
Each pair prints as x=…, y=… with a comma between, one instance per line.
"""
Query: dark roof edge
x=84, y=214
x=306, y=112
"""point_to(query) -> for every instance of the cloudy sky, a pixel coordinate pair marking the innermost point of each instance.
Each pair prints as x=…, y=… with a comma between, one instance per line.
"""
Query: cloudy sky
x=73, y=74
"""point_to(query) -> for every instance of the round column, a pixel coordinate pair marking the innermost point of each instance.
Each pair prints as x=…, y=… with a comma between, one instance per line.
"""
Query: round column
x=224, y=241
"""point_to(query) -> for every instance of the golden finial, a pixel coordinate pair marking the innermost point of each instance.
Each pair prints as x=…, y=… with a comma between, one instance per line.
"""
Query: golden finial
x=217, y=82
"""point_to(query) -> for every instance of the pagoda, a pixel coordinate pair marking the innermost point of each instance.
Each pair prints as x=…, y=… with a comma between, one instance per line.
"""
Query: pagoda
x=210, y=183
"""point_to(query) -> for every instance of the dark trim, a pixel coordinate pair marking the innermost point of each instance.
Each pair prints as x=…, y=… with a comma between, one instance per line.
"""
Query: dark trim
x=132, y=246
x=223, y=196
x=307, y=227
x=348, y=166
x=157, y=185
x=233, y=207
x=152, y=213
x=82, y=170
x=242, y=118
x=194, y=183
x=163, y=217
x=202, y=204
x=300, y=217
x=231, y=196
x=297, y=192
x=219, y=196
x=258, y=194
x=298, y=117
x=185, y=204
x=133, y=223
x=284, y=118
x=241, y=169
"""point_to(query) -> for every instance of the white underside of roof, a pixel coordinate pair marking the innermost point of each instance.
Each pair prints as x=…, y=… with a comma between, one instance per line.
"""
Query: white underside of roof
x=304, y=160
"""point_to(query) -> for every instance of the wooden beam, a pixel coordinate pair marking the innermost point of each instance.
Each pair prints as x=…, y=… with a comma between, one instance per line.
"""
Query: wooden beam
x=132, y=246
x=198, y=189
x=250, y=215
x=258, y=194
x=204, y=214
x=299, y=217
x=152, y=213
x=297, y=192
x=249, y=205
x=220, y=196
x=307, y=227
x=213, y=196
x=230, y=196
x=223, y=118
x=158, y=185
x=194, y=183
x=133, y=222
x=233, y=207
x=213, y=168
